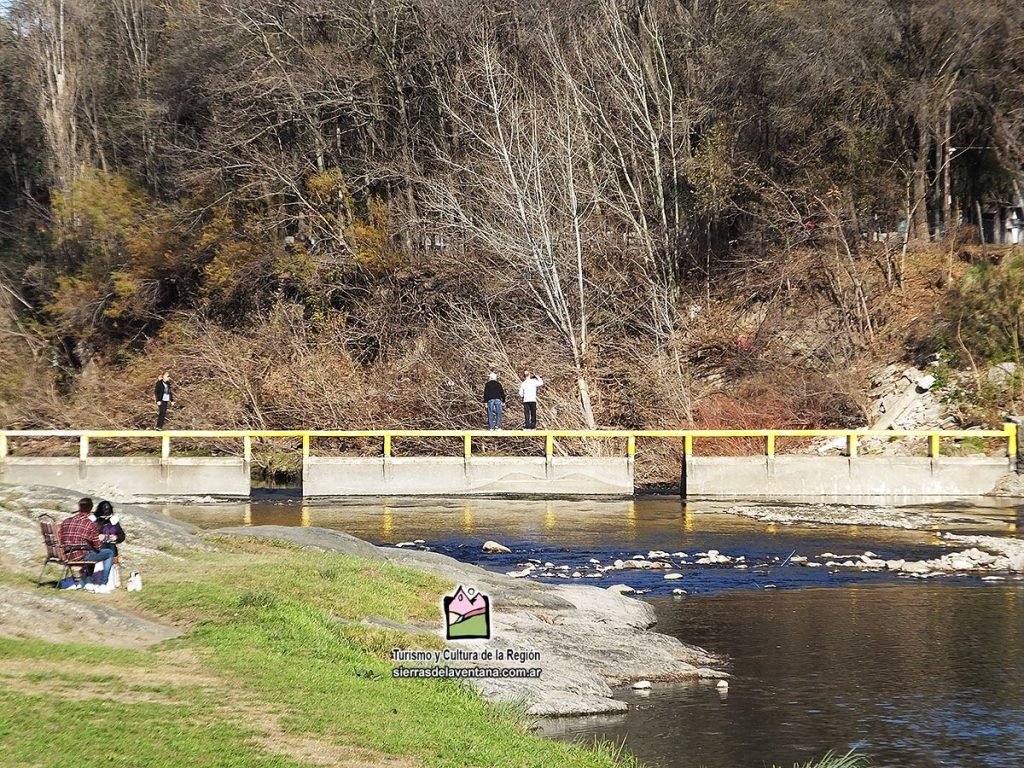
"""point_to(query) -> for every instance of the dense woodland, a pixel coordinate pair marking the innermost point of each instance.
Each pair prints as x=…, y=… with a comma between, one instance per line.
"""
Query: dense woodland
x=345, y=214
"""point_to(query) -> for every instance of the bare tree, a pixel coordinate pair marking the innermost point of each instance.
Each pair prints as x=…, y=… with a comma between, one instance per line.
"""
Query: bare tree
x=518, y=192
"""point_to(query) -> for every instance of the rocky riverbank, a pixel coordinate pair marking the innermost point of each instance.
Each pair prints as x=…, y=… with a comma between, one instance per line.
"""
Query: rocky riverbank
x=987, y=556
x=585, y=639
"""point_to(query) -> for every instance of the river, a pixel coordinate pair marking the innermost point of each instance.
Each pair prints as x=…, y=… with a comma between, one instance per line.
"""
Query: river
x=912, y=674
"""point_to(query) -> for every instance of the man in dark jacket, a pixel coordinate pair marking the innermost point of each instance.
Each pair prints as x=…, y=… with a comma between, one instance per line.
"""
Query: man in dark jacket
x=164, y=397
x=494, y=398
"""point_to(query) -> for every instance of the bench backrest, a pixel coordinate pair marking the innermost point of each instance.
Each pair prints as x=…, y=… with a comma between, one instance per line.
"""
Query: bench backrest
x=54, y=550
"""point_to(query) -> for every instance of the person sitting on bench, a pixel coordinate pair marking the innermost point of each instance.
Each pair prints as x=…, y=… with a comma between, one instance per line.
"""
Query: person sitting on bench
x=80, y=538
x=109, y=524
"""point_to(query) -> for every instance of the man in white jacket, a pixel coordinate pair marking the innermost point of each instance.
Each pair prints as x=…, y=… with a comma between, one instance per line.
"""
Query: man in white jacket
x=528, y=392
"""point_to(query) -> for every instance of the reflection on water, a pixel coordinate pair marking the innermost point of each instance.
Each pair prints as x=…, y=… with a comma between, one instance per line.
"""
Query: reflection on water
x=575, y=532
x=914, y=676
x=390, y=520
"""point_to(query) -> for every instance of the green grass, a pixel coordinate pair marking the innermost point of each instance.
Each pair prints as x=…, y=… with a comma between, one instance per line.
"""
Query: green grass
x=274, y=669
x=278, y=632
x=52, y=730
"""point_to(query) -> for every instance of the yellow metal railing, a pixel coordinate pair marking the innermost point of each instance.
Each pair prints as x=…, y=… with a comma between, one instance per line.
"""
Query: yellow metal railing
x=850, y=437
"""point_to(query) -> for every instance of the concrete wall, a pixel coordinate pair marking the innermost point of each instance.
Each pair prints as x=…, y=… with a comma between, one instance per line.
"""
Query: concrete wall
x=745, y=476
x=751, y=476
x=119, y=478
x=443, y=475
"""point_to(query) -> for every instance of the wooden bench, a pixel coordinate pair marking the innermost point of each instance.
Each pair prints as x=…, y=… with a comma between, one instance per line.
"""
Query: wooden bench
x=55, y=552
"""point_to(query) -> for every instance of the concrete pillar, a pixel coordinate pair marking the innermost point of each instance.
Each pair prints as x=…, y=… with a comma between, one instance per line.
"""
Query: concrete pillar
x=1018, y=460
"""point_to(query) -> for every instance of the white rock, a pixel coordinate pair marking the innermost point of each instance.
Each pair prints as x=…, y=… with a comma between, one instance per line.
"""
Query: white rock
x=419, y=541
x=637, y=557
x=618, y=565
x=643, y=565
x=678, y=591
x=798, y=559
x=640, y=685
x=657, y=554
x=712, y=553
x=549, y=565
x=562, y=568
x=679, y=554
x=673, y=576
x=576, y=574
x=722, y=684
x=494, y=548
x=406, y=544
x=595, y=561
x=621, y=589
x=520, y=574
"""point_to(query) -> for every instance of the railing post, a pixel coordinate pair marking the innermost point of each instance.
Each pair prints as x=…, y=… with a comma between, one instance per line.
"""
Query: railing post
x=688, y=445
x=851, y=445
x=933, y=445
x=631, y=446
x=165, y=447
x=3, y=447
x=305, y=446
x=83, y=447
x=1011, y=439
x=247, y=449
x=467, y=445
x=549, y=446
x=770, y=445
x=387, y=445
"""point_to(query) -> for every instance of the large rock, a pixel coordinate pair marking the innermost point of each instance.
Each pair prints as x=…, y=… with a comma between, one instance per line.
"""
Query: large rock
x=1001, y=375
x=74, y=617
x=149, y=533
x=1012, y=550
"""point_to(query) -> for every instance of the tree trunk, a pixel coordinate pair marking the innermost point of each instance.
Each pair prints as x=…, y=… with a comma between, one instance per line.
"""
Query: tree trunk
x=588, y=409
x=920, y=188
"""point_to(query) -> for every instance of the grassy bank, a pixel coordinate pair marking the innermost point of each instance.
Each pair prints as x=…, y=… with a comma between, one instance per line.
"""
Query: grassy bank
x=274, y=669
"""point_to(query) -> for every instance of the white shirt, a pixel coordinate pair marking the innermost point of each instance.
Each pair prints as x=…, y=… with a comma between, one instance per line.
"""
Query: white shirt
x=528, y=389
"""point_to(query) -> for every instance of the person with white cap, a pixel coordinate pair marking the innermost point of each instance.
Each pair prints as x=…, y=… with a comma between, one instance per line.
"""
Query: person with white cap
x=528, y=393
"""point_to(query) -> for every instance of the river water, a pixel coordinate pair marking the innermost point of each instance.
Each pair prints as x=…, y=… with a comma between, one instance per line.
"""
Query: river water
x=913, y=674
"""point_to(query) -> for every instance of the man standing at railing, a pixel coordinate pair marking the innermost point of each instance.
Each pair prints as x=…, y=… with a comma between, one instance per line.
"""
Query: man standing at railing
x=164, y=398
x=528, y=392
x=494, y=399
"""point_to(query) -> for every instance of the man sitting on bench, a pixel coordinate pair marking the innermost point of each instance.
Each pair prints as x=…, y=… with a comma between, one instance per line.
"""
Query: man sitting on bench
x=80, y=538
